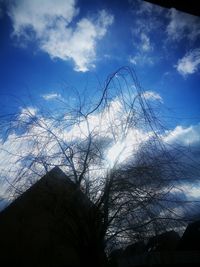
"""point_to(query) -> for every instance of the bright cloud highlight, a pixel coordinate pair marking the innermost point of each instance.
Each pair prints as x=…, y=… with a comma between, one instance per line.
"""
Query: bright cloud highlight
x=51, y=96
x=184, y=135
x=189, y=64
x=151, y=95
x=51, y=25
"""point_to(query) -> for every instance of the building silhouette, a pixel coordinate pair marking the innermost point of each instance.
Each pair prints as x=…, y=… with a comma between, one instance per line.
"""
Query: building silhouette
x=52, y=224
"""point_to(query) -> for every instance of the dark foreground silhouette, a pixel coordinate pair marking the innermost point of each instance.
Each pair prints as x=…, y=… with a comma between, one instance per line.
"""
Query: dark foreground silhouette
x=52, y=224
x=166, y=249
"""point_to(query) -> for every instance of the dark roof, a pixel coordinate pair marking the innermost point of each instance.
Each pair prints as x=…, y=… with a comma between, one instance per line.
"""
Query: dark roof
x=53, y=182
x=163, y=242
x=48, y=224
x=191, y=237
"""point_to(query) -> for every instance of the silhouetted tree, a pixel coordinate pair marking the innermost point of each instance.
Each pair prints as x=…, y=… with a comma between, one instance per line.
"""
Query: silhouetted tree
x=111, y=146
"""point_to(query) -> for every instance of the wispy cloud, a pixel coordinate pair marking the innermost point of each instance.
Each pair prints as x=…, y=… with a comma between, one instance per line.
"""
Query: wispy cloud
x=151, y=95
x=189, y=64
x=182, y=25
x=51, y=25
x=145, y=8
x=51, y=96
x=146, y=22
x=141, y=58
x=145, y=42
x=143, y=46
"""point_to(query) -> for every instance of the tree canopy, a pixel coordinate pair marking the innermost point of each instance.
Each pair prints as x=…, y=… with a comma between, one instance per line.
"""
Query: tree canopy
x=112, y=146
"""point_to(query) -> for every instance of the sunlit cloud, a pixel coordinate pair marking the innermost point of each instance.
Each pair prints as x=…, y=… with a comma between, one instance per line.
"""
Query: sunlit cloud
x=35, y=142
x=39, y=17
x=27, y=113
x=105, y=124
x=189, y=64
x=52, y=96
x=124, y=149
x=50, y=24
x=151, y=95
x=184, y=135
x=191, y=190
x=182, y=25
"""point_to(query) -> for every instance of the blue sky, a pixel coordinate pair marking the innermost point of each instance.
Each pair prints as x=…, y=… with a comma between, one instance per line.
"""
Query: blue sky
x=49, y=48
x=163, y=46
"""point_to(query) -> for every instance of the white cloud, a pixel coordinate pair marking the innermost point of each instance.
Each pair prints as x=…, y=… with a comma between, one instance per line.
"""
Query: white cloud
x=189, y=64
x=108, y=123
x=141, y=58
x=27, y=113
x=133, y=60
x=146, y=23
x=151, y=95
x=122, y=150
x=100, y=123
x=52, y=96
x=184, y=136
x=145, y=42
x=12, y=152
x=23, y=146
x=193, y=190
x=51, y=25
x=190, y=190
x=33, y=141
x=182, y=25
x=142, y=44
x=39, y=17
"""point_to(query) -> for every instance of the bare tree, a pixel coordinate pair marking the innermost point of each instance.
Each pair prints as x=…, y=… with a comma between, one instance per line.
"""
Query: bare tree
x=111, y=146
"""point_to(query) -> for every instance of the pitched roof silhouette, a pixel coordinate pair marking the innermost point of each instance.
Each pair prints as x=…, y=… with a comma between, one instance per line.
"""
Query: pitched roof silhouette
x=191, y=238
x=51, y=224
